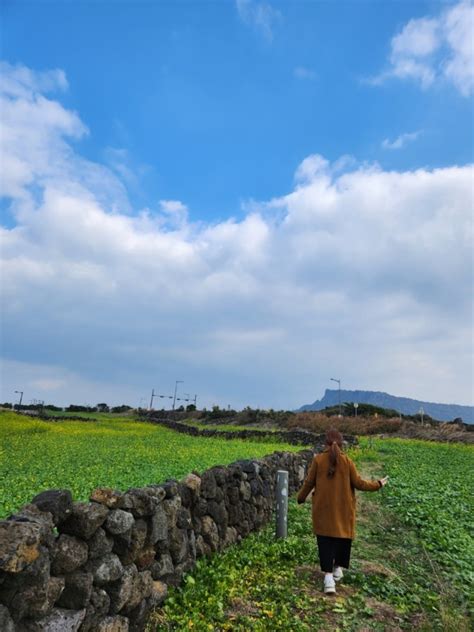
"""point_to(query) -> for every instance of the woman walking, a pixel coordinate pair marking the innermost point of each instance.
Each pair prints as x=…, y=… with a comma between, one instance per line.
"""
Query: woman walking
x=334, y=479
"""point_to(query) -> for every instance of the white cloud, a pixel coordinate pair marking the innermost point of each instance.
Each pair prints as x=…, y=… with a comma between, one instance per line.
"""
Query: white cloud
x=433, y=48
x=259, y=15
x=354, y=263
x=401, y=141
x=301, y=72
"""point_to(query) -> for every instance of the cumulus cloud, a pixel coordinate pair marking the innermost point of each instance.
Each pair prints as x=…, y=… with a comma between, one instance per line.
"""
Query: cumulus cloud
x=401, y=141
x=356, y=271
x=259, y=15
x=429, y=49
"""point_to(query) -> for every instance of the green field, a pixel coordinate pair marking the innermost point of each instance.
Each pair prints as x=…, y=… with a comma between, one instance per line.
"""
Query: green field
x=411, y=566
x=37, y=455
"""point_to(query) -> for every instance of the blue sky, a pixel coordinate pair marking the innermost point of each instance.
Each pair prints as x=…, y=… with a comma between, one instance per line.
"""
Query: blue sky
x=251, y=140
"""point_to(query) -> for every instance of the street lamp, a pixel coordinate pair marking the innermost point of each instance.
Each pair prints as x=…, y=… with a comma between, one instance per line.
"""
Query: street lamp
x=21, y=398
x=175, y=390
x=339, y=382
x=422, y=412
x=153, y=395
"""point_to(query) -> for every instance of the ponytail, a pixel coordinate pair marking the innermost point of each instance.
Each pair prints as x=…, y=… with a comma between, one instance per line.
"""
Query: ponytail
x=334, y=441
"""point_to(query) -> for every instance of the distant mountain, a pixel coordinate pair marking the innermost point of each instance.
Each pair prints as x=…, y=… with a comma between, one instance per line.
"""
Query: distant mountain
x=405, y=405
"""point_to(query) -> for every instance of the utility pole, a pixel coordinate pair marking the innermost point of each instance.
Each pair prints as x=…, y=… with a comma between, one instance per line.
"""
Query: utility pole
x=176, y=390
x=21, y=399
x=339, y=382
x=152, y=397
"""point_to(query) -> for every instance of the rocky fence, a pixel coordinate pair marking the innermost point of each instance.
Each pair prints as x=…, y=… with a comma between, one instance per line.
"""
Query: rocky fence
x=297, y=436
x=101, y=566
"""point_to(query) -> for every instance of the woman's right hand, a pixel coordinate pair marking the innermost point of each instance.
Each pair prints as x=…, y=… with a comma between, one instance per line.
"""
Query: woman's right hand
x=383, y=481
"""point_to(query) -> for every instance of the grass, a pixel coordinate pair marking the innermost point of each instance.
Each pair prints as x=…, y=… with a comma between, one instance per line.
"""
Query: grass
x=396, y=581
x=36, y=455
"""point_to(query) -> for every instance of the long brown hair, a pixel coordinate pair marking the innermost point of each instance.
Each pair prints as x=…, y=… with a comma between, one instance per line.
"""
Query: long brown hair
x=334, y=441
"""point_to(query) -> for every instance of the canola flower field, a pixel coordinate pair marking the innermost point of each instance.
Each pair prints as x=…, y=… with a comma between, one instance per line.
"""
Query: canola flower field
x=37, y=455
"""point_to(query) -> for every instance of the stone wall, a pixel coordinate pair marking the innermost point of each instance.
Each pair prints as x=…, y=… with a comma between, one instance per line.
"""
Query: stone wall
x=297, y=436
x=101, y=566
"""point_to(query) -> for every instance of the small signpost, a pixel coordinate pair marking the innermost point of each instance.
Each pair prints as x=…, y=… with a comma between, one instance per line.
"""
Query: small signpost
x=282, y=504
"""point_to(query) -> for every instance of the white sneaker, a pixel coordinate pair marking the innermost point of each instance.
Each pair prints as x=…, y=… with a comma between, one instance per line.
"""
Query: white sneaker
x=338, y=574
x=329, y=584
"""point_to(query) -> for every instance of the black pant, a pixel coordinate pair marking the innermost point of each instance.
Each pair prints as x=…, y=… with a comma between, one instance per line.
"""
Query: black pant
x=333, y=552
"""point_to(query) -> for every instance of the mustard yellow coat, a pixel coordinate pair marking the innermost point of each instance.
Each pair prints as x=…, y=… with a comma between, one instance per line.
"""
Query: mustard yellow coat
x=334, y=501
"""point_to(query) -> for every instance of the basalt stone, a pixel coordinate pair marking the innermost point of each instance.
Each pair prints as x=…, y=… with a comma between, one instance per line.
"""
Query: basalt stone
x=140, y=503
x=233, y=495
x=37, y=601
x=220, y=475
x=231, y=536
x=96, y=610
x=197, y=524
x=217, y=511
x=186, y=496
x=113, y=624
x=58, y=502
x=43, y=520
x=158, y=526
x=208, y=485
x=145, y=558
x=267, y=489
x=36, y=573
x=100, y=544
x=84, y=520
x=122, y=545
x=245, y=491
x=183, y=519
x=105, y=569
x=202, y=548
x=128, y=546
x=139, y=534
x=19, y=545
x=210, y=533
x=200, y=508
x=7, y=624
x=142, y=586
x=68, y=554
x=162, y=567
x=121, y=590
x=108, y=497
x=193, y=483
x=119, y=521
x=235, y=514
x=158, y=593
x=192, y=545
x=157, y=491
x=171, y=488
x=243, y=528
x=138, y=616
x=171, y=507
x=77, y=591
x=219, y=497
x=178, y=545
x=255, y=487
x=58, y=620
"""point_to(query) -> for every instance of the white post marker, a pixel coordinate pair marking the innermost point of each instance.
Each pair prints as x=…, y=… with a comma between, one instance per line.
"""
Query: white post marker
x=282, y=504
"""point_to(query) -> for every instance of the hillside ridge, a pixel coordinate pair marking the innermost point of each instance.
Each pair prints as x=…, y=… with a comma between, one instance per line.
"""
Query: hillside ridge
x=405, y=405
